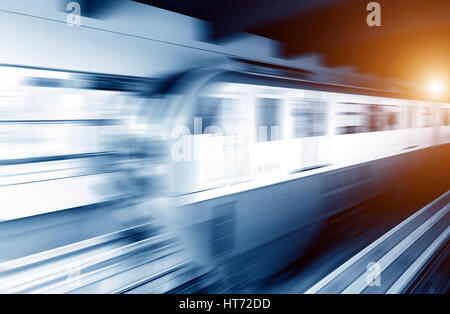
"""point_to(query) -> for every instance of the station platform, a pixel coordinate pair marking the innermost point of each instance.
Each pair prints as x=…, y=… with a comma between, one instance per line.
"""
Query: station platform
x=395, y=261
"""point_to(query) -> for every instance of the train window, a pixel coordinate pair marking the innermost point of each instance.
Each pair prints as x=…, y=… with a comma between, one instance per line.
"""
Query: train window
x=411, y=116
x=383, y=117
x=360, y=118
x=351, y=118
x=375, y=118
x=46, y=121
x=392, y=117
x=268, y=119
x=392, y=120
x=425, y=117
x=208, y=109
x=309, y=118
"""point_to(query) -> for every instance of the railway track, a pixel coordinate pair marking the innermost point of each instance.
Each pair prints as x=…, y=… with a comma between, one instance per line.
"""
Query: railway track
x=397, y=259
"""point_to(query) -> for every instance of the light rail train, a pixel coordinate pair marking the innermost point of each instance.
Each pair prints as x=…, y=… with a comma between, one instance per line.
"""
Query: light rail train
x=258, y=161
x=244, y=165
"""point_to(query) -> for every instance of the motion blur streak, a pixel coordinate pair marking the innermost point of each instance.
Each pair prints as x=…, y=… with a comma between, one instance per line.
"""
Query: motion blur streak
x=66, y=140
x=136, y=158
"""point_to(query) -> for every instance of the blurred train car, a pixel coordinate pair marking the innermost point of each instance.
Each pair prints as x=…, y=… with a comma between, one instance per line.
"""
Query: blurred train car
x=258, y=162
x=243, y=165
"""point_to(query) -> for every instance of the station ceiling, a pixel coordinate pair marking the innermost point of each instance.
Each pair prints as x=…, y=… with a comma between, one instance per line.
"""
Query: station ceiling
x=412, y=43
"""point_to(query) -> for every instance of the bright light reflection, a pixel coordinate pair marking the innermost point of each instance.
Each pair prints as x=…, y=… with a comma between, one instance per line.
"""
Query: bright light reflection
x=436, y=87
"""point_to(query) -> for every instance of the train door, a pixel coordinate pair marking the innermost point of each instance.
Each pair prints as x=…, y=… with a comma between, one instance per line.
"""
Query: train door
x=309, y=126
x=215, y=149
x=425, y=122
x=269, y=119
x=412, y=135
x=224, y=153
x=436, y=123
